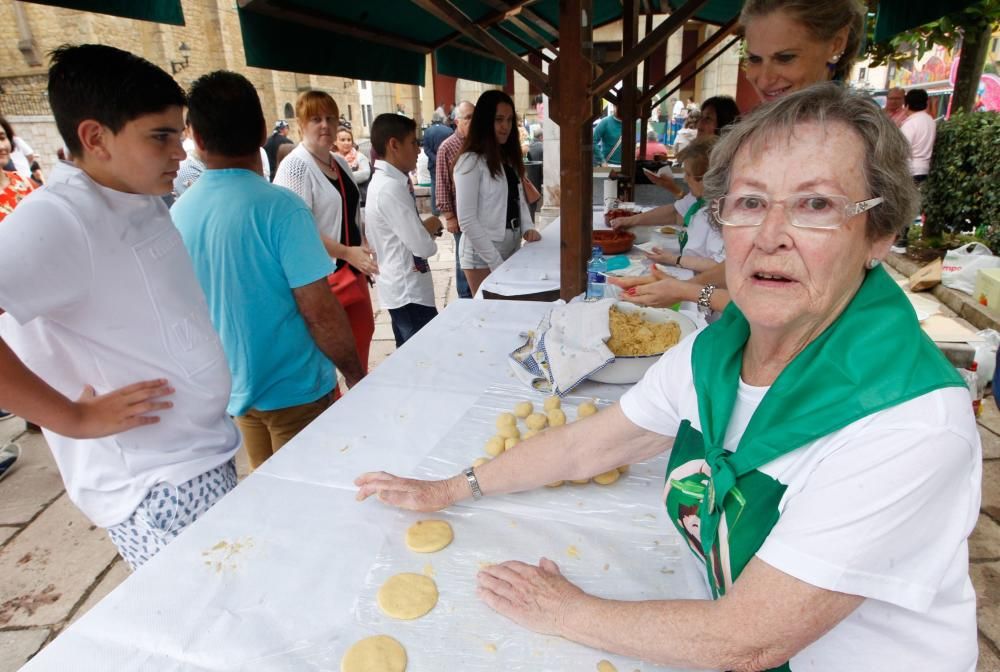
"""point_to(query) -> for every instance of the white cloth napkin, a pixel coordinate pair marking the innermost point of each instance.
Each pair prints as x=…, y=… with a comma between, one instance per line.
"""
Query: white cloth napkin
x=568, y=345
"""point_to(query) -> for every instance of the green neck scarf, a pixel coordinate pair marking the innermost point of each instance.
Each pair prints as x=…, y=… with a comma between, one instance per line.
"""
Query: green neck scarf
x=682, y=237
x=873, y=357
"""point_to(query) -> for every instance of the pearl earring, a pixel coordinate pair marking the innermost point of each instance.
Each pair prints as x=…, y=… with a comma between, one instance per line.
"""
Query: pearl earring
x=836, y=57
x=872, y=263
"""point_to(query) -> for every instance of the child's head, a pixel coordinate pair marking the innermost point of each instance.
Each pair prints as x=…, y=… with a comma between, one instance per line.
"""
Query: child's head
x=225, y=115
x=696, y=159
x=6, y=142
x=394, y=138
x=119, y=115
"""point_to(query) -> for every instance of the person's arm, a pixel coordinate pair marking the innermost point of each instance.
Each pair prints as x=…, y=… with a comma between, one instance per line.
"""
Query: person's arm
x=762, y=621
x=599, y=143
x=687, y=261
x=444, y=187
x=329, y=327
x=715, y=275
x=28, y=396
x=528, y=231
x=598, y=444
x=364, y=170
x=405, y=222
x=667, y=182
x=467, y=180
x=658, y=216
x=660, y=290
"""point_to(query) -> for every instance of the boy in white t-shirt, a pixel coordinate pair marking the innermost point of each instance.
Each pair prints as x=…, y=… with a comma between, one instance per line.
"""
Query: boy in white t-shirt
x=101, y=293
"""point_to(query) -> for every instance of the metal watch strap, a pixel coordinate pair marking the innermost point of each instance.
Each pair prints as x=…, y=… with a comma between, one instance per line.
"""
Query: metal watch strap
x=470, y=476
x=705, y=298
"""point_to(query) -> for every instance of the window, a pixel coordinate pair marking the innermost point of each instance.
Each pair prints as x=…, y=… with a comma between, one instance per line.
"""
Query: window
x=364, y=84
x=862, y=74
x=366, y=115
x=289, y=111
x=350, y=113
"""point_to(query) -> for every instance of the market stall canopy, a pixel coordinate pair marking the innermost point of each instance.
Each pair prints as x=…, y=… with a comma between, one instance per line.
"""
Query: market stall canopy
x=388, y=41
x=896, y=16
x=160, y=11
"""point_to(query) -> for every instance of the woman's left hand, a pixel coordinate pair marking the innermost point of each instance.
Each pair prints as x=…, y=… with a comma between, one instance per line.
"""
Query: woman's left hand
x=662, y=256
x=532, y=236
x=537, y=598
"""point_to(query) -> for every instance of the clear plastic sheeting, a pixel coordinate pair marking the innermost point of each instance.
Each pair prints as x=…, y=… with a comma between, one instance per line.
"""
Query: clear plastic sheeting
x=633, y=502
x=463, y=633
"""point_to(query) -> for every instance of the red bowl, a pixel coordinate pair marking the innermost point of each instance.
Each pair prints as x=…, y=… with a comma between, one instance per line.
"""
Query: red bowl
x=613, y=242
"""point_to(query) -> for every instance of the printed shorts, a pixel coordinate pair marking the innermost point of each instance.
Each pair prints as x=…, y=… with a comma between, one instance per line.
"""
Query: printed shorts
x=167, y=510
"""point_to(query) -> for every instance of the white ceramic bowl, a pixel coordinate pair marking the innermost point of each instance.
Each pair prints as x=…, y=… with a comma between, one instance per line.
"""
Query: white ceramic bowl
x=629, y=369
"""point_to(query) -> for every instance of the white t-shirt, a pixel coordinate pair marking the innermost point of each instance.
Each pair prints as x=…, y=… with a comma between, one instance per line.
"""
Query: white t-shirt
x=920, y=129
x=684, y=203
x=396, y=233
x=881, y=508
x=103, y=293
x=704, y=240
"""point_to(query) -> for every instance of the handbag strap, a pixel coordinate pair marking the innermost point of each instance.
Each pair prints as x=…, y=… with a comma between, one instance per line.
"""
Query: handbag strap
x=343, y=199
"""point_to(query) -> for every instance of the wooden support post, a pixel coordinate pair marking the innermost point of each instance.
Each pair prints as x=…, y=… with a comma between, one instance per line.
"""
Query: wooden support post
x=628, y=109
x=644, y=112
x=571, y=109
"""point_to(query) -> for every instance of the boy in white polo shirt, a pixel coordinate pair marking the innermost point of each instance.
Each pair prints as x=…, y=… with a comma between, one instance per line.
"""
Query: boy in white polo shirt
x=102, y=294
x=400, y=240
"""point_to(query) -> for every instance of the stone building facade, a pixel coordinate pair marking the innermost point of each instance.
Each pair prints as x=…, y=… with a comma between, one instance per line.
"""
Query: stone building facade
x=209, y=41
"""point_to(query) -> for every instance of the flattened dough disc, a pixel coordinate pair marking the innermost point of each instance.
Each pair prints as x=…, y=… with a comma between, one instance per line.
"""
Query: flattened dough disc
x=407, y=596
x=428, y=536
x=380, y=653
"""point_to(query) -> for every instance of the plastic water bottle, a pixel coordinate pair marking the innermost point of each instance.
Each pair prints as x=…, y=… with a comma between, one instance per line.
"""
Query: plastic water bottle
x=596, y=268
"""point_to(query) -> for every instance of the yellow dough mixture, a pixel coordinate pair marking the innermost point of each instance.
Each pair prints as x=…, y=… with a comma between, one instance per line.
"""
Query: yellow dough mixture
x=428, y=536
x=585, y=409
x=607, y=478
x=407, y=596
x=380, y=653
x=523, y=409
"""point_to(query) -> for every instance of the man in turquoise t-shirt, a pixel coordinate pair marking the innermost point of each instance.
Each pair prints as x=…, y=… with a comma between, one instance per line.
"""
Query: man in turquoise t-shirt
x=608, y=140
x=259, y=258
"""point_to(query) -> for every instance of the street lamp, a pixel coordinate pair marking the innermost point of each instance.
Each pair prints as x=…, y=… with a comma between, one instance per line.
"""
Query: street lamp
x=177, y=66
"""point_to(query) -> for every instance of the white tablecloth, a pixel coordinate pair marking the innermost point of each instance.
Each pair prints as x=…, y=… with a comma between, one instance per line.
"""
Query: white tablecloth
x=277, y=576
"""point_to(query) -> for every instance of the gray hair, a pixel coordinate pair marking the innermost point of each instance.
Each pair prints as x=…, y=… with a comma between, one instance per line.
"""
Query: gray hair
x=886, y=151
x=823, y=20
x=437, y=117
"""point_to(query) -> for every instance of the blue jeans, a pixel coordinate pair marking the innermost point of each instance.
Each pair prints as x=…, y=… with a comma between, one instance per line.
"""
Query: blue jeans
x=409, y=319
x=461, y=283
x=434, y=205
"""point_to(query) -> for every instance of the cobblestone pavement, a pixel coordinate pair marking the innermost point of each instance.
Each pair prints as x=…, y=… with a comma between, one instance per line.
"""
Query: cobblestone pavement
x=56, y=565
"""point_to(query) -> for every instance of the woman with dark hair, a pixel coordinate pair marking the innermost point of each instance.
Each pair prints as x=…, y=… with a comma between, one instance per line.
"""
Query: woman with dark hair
x=491, y=208
x=13, y=186
x=716, y=113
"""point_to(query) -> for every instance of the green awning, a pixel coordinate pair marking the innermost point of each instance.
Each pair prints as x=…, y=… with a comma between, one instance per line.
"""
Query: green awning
x=896, y=16
x=714, y=11
x=160, y=11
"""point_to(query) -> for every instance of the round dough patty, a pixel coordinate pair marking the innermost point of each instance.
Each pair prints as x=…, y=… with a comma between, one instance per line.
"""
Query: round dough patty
x=407, y=596
x=428, y=536
x=607, y=478
x=380, y=653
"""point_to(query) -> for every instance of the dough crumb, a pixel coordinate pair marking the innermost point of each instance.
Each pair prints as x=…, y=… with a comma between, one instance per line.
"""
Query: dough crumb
x=554, y=484
x=581, y=481
x=523, y=409
x=607, y=566
x=623, y=469
x=491, y=648
x=607, y=478
x=552, y=402
x=573, y=552
x=380, y=653
x=429, y=570
x=606, y=666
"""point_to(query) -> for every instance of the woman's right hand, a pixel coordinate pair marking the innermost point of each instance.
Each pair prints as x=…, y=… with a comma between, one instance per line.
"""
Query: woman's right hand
x=631, y=281
x=625, y=222
x=360, y=257
x=405, y=493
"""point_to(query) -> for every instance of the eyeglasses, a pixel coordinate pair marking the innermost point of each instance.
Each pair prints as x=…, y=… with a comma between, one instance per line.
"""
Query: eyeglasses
x=806, y=211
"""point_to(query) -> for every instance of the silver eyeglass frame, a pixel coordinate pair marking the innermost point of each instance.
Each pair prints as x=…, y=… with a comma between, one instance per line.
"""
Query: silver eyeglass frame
x=850, y=210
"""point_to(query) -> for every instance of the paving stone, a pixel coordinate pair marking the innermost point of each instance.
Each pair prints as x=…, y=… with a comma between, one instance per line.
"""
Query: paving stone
x=32, y=483
x=986, y=579
x=984, y=544
x=989, y=661
x=383, y=332
x=6, y=533
x=119, y=572
x=991, y=444
x=380, y=350
x=18, y=646
x=10, y=429
x=990, y=417
x=50, y=566
x=242, y=463
x=991, y=488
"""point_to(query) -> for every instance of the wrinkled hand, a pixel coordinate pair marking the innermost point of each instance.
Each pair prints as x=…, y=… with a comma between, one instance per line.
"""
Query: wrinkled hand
x=532, y=236
x=662, y=256
x=404, y=493
x=664, y=293
x=360, y=257
x=118, y=411
x=537, y=598
x=625, y=222
x=631, y=281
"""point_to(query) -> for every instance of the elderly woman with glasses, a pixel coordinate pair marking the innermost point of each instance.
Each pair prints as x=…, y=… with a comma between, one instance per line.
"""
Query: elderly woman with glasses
x=824, y=461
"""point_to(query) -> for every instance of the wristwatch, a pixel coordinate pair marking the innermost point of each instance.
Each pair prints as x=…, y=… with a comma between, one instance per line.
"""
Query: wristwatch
x=705, y=299
x=470, y=476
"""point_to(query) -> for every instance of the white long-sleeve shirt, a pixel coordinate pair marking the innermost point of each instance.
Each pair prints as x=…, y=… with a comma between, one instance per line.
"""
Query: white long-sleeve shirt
x=396, y=234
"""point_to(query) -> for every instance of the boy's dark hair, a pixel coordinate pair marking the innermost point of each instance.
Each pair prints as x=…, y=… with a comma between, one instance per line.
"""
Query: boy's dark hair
x=388, y=126
x=111, y=86
x=224, y=110
x=916, y=100
x=482, y=139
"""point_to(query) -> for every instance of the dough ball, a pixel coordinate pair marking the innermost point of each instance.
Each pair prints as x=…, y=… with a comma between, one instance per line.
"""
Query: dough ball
x=585, y=409
x=480, y=461
x=428, y=536
x=380, y=653
x=506, y=420
x=536, y=421
x=494, y=446
x=523, y=409
x=528, y=434
x=623, y=469
x=555, y=484
x=606, y=666
x=510, y=443
x=583, y=481
x=552, y=402
x=407, y=596
x=509, y=432
x=556, y=417
x=607, y=478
